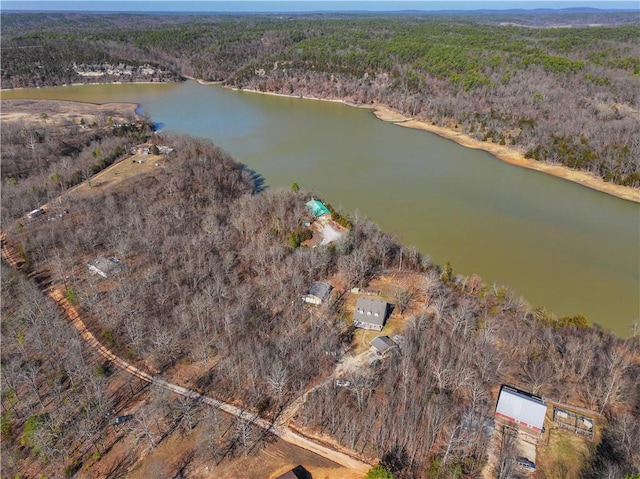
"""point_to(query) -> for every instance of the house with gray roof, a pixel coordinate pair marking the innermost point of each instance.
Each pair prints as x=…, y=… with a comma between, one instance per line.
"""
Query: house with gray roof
x=383, y=344
x=318, y=293
x=370, y=313
x=298, y=472
x=521, y=410
x=104, y=267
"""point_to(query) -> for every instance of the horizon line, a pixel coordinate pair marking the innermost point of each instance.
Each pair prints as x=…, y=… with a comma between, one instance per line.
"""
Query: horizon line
x=312, y=6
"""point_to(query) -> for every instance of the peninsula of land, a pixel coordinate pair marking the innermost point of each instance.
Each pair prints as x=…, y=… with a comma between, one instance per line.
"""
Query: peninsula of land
x=159, y=267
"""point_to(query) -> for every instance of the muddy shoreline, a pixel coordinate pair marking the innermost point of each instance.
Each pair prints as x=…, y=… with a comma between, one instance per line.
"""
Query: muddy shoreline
x=503, y=153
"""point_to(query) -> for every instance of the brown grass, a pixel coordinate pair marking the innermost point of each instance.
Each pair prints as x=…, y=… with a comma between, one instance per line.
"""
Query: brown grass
x=563, y=456
x=265, y=462
x=118, y=173
x=562, y=453
x=54, y=112
x=387, y=286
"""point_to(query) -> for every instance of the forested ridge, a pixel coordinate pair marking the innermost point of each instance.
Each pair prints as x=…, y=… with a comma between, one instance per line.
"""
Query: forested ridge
x=559, y=95
x=210, y=277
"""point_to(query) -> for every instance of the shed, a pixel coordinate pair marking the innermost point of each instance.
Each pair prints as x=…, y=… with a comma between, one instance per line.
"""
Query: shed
x=298, y=472
x=370, y=313
x=104, y=267
x=383, y=344
x=317, y=293
x=317, y=208
x=521, y=409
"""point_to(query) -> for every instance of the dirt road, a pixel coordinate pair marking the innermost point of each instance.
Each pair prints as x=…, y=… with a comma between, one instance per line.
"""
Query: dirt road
x=12, y=257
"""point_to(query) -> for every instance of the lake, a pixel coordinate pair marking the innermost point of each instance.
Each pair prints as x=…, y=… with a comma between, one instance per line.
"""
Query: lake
x=560, y=245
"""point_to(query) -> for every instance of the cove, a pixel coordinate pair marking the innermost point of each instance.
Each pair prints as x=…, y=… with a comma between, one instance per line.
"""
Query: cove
x=560, y=245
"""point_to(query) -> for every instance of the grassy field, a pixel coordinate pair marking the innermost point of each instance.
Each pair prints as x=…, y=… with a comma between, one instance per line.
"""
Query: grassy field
x=562, y=453
x=119, y=172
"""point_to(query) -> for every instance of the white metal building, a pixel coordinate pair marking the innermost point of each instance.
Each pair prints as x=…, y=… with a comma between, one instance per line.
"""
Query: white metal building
x=521, y=409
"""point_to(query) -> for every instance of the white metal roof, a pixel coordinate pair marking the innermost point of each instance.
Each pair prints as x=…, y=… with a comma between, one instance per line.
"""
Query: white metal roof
x=521, y=408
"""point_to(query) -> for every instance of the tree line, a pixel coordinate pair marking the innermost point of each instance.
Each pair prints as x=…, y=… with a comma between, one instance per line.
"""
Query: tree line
x=209, y=276
x=559, y=95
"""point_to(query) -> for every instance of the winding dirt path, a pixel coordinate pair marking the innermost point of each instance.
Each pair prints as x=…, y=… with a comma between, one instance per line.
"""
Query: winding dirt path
x=12, y=256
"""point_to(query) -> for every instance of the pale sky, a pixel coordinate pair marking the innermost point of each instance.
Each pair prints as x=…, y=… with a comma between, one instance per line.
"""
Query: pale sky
x=301, y=5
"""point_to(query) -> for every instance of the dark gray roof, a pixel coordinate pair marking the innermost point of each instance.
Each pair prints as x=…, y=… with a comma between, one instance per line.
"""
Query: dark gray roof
x=320, y=290
x=298, y=472
x=521, y=408
x=372, y=311
x=288, y=475
x=383, y=344
x=105, y=266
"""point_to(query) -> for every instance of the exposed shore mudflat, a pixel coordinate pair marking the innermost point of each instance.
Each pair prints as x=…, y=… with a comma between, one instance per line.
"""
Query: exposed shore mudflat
x=504, y=153
x=512, y=156
x=40, y=111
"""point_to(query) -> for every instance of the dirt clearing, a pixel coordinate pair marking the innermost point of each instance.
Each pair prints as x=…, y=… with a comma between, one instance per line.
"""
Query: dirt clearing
x=117, y=173
x=179, y=453
x=47, y=112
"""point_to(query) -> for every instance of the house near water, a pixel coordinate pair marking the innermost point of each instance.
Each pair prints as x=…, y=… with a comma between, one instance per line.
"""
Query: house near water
x=370, y=314
x=521, y=411
x=317, y=208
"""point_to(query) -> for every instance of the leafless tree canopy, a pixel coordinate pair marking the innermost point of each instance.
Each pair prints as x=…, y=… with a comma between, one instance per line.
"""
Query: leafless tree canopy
x=209, y=277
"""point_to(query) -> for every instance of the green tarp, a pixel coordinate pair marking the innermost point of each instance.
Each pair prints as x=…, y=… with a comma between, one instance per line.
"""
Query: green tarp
x=318, y=208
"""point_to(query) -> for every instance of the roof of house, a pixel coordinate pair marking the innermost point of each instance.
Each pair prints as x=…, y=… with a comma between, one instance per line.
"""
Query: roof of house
x=521, y=408
x=106, y=266
x=317, y=208
x=383, y=344
x=369, y=310
x=288, y=475
x=298, y=472
x=320, y=290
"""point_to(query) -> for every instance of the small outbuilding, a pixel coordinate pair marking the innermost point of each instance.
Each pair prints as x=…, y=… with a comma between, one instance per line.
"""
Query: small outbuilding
x=165, y=150
x=383, y=344
x=104, y=267
x=521, y=410
x=318, y=293
x=370, y=314
x=298, y=472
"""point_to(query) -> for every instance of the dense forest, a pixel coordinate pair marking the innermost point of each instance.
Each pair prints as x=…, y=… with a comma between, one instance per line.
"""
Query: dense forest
x=559, y=95
x=212, y=271
x=209, y=276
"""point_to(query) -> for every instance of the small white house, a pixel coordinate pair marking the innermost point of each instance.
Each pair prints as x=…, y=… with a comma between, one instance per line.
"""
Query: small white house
x=318, y=293
x=104, y=267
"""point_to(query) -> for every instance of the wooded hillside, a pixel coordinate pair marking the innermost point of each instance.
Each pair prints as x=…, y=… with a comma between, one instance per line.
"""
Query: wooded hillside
x=559, y=95
x=211, y=267
x=209, y=276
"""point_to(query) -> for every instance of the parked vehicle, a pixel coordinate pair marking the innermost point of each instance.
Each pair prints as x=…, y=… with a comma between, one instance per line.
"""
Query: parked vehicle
x=121, y=419
x=35, y=213
x=524, y=463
